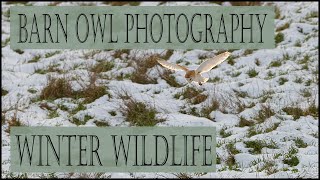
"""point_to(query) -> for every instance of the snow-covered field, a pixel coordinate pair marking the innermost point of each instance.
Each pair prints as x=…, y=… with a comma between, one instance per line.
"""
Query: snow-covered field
x=264, y=103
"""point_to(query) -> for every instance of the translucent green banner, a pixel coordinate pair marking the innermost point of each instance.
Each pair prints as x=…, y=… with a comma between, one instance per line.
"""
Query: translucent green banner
x=113, y=149
x=125, y=27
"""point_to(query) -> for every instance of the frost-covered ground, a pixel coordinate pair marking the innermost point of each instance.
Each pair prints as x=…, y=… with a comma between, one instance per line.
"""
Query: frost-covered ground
x=264, y=103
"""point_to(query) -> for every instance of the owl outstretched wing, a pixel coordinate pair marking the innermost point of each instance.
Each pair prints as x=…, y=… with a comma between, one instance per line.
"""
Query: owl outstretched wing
x=175, y=67
x=212, y=62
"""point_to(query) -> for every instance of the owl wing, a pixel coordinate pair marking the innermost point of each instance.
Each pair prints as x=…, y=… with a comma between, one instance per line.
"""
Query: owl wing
x=212, y=62
x=175, y=67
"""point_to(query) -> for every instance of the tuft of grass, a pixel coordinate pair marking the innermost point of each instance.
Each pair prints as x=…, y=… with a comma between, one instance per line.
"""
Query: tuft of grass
x=103, y=66
x=300, y=143
x=14, y=121
x=264, y=113
x=257, y=62
x=298, y=80
x=252, y=73
x=252, y=131
x=224, y=133
x=257, y=145
x=230, y=60
x=282, y=80
x=139, y=114
x=140, y=75
x=283, y=27
x=306, y=59
x=297, y=43
x=113, y=113
x=241, y=94
x=4, y=92
x=80, y=107
x=53, y=114
x=296, y=112
x=235, y=74
x=168, y=54
x=279, y=38
x=275, y=64
x=101, y=123
x=32, y=91
x=247, y=52
x=193, y=95
x=19, y=51
x=270, y=75
x=77, y=121
x=308, y=82
x=305, y=93
x=117, y=53
x=56, y=88
x=61, y=87
x=215, y=79
x=212, y=106
x=35, y=59
x=272, y=128
x=232, y=149
x=169, y=78
x=50, y=54
x=244, y=122
x=313, y=14
x=291, y=158
x=92, y=92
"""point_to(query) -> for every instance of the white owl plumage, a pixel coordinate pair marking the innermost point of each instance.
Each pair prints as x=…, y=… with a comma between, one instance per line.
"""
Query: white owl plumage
x=195, y=75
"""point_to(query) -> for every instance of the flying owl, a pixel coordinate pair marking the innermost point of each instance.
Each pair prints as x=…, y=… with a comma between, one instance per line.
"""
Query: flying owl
x=195, y=75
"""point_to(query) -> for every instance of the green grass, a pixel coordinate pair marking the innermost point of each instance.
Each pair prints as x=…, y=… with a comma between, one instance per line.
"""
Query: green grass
x=103, y=66
x=4, y=92
x=252, y=131
x=300, y=143
x=230, y=60
x=53, y=114
x=232, y=149
x=279, y=37
x=296, y=112
x=61, y=87
x=247, y=52
x=35, y=59
x=252, y=73
x=282, y=80
x=19, y=51
x=291, y=158
x=257, y=145
x=224, y=133
x=113, y=113
x=193, y=95
x=275, y=63
x=257, y=62
x=207, y=109
x=244, y=122
x=80, y=107
x=235, y=74
x=264, y=113
x=50, y=54
x=139, y=114
x=32, y=91
x=283, y=27
x=101, y=123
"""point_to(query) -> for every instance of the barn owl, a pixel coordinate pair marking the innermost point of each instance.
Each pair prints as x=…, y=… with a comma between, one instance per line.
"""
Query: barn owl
x=195, y=75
